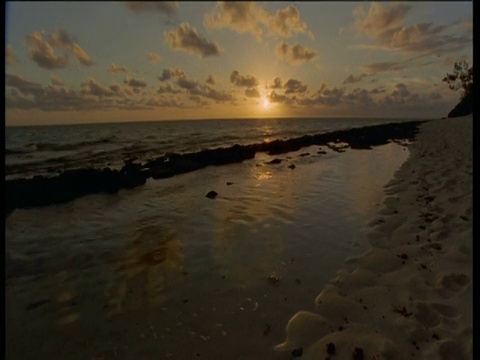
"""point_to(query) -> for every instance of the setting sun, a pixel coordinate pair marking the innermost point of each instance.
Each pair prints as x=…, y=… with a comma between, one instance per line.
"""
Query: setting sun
x=266, y=103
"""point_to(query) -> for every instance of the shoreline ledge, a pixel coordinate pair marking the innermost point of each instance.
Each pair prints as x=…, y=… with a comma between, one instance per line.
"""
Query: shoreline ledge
x=410, y=296
x=71, y=184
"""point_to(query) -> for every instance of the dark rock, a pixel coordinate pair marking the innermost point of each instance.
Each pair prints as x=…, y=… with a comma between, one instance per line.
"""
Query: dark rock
x=274, y=161
x=212, y=194
x=357, y=354
x=304, y=154
x=292, y=166
x=322, y=152
x=37, y=304
x=331, y=349
x=229, y=183
x=297, y=352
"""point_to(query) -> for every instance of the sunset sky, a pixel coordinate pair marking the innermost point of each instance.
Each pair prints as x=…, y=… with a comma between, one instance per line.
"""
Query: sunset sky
x=74, y=62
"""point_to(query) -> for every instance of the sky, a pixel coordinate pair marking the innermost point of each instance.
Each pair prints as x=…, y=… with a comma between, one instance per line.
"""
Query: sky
x=90, y=62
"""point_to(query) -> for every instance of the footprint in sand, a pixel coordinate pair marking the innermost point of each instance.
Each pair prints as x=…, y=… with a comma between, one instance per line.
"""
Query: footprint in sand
x=453, y=282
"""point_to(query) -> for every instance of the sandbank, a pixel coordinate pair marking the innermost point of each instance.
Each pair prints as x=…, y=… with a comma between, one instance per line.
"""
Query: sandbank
x=410, y=295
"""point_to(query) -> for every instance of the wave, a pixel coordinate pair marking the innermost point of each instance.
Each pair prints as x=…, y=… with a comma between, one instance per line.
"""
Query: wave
x=32, y=147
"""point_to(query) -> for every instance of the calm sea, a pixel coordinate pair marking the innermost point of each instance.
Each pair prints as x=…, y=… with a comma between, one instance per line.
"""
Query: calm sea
x=48, y=150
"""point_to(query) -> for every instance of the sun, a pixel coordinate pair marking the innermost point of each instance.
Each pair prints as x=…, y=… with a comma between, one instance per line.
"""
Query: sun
x=266, y=103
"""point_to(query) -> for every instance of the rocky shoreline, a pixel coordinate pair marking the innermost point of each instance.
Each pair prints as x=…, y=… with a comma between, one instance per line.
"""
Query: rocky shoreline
x=71, y=184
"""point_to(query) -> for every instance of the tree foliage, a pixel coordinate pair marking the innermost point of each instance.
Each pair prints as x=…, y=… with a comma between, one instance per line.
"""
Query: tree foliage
x=461, y=78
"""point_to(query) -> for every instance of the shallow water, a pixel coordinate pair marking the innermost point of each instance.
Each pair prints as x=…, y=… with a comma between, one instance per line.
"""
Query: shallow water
x=161, y=271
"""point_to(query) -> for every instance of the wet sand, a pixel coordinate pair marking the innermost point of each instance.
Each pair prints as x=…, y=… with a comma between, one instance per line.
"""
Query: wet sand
x=410, y=295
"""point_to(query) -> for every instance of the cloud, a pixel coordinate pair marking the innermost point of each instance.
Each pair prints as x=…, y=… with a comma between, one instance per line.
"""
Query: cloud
x=384, y=66
x=63, y=40
x=252, y=92
x=400, y=91
x=211, y=80
x=295, y=54
x=154, y=58
x=243, y=81
x=286, y=22
x=135, y=83
x=56, y=80
x=43, y=54
x=385, y=25
x=379, y=18
x=188, y=84
x=167, y=74
x=354, y=79
x=249, y=17
x=186, y=38
x=42, y=51
x=163, y=7
x=194, y=88
x=293, y=86
x=10, y=57
x=25, y=86
x=167, y=89
x=358, y=97
x=114, y=69
x=92, y=87
x=273, y=97
x=24, y=94
x=277, y=84
x=241, y=17
x=376, y=91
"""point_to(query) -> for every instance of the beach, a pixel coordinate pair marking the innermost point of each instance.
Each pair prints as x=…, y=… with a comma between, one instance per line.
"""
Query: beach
x=410, y=295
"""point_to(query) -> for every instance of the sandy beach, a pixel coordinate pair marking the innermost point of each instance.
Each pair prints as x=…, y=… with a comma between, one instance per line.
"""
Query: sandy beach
x=410, y=295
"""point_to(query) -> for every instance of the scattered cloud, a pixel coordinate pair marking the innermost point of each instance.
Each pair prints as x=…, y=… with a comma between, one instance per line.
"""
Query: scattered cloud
x=167, y=89
x=153, y=57
x=115, y=69
x=377, y=91
x=351, y=79
x=273, y=97
x=295, y=54
x=10, y=57
x=250, y=17
x=167, y=74
x=385, y=25
x=42, y=51
x=43, y=54
x=379, y=18
x=186, y=38
x=163, y=7
x=56, y=80
x=241, y=17
x=277, y=84
x=294, y=86
x=384, y=66
x=286, y=22
x=252, y=93
x=134, y=83
x=243, y=81
x=212, y=80
x=25, y=86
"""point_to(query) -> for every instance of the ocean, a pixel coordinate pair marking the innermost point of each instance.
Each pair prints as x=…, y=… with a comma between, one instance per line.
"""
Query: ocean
x=48, y=150
x=160, y=270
